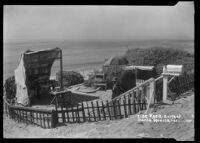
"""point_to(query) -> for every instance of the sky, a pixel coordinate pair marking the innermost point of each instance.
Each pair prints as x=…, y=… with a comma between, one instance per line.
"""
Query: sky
x=33, y=22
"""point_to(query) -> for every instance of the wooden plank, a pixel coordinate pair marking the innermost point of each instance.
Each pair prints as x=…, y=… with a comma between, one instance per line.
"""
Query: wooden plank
x=17, y=115
x=73, y=114
x=142, y=97
x=129, y=105
x=26, y=117
x=88, y=112
x=108, y=110
x=83, y=111
x=43, y=119
x=68, y=120
x=93, y=111
x=48, y=120
x=31, y=117
x=125, y=113
x=114, y=109
x=119, y=107
x=63, y=114
x=78, y=117
x=98, y=110
x=104, y=114
x=134, y=104
x=40, y=118
x=36, y=117
x=20, y=116
x=12, y=112
x=54, y=119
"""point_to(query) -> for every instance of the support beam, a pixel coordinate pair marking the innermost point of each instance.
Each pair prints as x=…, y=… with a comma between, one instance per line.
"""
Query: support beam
x=165, y=84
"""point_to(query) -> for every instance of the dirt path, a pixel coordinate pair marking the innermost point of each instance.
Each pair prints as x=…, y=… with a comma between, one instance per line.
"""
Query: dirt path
x=183, y=129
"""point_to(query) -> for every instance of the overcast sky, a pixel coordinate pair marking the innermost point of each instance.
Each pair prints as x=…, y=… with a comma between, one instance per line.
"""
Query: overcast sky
x=99, y=22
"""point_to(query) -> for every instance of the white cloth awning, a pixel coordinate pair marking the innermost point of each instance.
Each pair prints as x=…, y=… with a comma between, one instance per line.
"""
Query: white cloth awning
x=20, y=79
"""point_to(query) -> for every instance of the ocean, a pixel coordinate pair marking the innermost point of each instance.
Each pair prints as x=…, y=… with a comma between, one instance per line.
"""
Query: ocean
x=82, y=55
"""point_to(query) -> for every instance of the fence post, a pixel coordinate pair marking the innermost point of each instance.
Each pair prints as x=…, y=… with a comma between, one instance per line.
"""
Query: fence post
x=54, y=119
x=165, y=81
x=83, y=111
x=152, y=91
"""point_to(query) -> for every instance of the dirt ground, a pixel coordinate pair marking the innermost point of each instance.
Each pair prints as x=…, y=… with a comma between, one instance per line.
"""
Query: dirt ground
x=182, y=129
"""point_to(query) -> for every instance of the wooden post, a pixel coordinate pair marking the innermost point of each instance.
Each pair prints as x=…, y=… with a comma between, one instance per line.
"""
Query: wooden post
x=98, y=110
x=61, y=69
x=40, y=119
x=129, y=105
x=63, y=114
x=36, y=115
x=104, y=114
x=93, y=111
x=114, y=109
x=68, y=120
x=88, y=110
x=165, y=81
x=83, y=111
x=152, y=91
x=31, y=117
x=108, y=108
x=43, y=120
x=134, y=104
x=136, y=76
x=77, y=112
x=125, y=113
x=119, y=105
x=54, y=119
x=72, y=113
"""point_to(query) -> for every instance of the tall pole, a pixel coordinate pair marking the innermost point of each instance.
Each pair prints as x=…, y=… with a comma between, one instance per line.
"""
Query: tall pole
x=165, y=81
x=135, y=76
x=61, y=69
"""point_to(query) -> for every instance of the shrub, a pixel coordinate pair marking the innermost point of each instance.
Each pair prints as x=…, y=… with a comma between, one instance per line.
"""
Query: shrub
x=70, y=78
x=159, y=56
x=10, y=88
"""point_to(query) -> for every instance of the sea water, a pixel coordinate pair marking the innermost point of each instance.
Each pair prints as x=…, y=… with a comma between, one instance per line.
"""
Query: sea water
x=81, y=55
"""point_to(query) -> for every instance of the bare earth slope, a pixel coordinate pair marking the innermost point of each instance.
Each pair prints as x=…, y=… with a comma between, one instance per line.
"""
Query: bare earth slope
x=183, y=129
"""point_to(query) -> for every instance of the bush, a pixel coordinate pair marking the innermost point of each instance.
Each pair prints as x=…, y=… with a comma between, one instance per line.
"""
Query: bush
x=10, y=88
x=159, y=56
x=70, y=78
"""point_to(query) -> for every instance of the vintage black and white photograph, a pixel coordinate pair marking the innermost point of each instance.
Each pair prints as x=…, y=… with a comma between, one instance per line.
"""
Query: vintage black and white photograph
x=99, y=71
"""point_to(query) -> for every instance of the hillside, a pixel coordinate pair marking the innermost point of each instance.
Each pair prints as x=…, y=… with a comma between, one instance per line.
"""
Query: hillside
x=183, y=129
x=159, y=56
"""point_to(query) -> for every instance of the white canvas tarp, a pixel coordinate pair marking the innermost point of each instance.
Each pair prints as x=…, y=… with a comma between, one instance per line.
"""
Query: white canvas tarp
x=20, y=79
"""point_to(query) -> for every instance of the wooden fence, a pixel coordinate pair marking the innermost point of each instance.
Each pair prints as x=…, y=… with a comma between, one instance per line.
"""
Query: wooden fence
x=28, y=115
x=128, y=103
